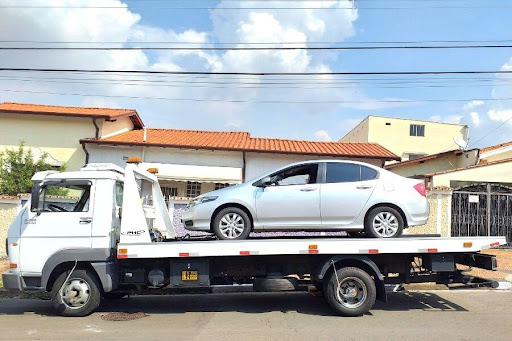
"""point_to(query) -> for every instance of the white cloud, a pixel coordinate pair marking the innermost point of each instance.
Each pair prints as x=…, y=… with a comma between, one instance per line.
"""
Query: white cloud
x=473, y=104
x=500, y=115
x=447, y=119
x=475, y=118
x=323, y=135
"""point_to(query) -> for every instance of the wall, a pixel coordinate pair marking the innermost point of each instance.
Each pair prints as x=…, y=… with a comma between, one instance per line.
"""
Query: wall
x=442, y=163
x=8, y=211
x=498, y=173
x=439, y=221
x=499, y=154
x=395, y=137
x=358, y=134
x=258, y=164
x=118, y=126
x=58, y=136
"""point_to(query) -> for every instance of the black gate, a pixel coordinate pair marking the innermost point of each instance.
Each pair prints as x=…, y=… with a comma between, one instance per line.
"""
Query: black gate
x=482, y=210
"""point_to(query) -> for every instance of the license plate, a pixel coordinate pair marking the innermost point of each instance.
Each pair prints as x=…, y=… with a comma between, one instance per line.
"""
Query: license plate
x=189, y=275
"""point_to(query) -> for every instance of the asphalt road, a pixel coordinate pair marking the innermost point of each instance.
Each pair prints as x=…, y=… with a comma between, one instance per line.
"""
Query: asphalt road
x=433, y=315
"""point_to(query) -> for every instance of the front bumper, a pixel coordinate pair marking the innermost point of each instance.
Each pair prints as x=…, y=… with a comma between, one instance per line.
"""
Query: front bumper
x=12, y=282
x=198, y=217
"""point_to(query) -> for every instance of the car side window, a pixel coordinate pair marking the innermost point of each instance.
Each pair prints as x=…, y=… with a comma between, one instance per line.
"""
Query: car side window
x=348, y=172
x=367, y=173
x=300, y=175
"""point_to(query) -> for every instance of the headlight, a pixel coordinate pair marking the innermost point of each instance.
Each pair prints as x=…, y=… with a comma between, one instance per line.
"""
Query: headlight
x=200, y=200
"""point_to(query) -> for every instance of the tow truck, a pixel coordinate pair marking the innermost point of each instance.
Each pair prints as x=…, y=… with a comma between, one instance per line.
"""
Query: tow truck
x=104, y=232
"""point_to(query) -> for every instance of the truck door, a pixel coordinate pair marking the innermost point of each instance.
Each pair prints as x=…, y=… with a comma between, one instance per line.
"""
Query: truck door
x=62, y=220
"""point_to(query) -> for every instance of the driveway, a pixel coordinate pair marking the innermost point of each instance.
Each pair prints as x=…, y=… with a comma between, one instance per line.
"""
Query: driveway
x=440, y=314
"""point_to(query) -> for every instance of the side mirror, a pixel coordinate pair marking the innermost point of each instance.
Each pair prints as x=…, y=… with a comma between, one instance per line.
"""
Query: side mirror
x=34, y=199
x=265, y=182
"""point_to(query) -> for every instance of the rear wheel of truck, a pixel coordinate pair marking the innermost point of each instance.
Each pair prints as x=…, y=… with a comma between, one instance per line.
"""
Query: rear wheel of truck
x=350, y=291
x=232, y=223
x=78, y=295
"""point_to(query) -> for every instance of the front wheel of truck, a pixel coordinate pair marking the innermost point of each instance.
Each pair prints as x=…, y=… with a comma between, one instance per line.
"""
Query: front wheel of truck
x=77, y=294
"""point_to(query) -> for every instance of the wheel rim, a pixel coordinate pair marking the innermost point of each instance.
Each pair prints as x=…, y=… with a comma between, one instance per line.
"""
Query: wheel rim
x=351, y=292
x=75, y=293
x=231, y=225
x=385, y=224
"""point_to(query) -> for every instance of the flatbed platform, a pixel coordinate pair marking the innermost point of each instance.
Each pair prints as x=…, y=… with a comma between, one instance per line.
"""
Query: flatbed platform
x=326, y=246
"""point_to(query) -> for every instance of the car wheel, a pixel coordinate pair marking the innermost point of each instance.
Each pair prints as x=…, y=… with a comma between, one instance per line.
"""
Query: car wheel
x=384, y=222
x=350, y=291
x=78, y=295
x=232, y=223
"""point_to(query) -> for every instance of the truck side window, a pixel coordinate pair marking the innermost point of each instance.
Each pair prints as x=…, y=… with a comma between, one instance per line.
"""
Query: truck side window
x=119, y=194
x=65, y=198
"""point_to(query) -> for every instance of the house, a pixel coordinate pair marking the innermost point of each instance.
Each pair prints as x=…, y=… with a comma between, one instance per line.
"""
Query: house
x=470, y=192
x=56, y=130
x=409, y=139
x=192, y=162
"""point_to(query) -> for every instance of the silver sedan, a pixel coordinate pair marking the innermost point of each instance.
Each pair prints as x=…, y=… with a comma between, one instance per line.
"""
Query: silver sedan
x=313, y=196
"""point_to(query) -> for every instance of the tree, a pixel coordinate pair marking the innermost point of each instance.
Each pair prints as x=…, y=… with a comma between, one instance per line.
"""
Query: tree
x=17, y=166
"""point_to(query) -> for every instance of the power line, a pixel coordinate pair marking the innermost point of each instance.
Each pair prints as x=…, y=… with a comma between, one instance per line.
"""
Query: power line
x=397, y=101
x=472, y=72
x=492, y=131
x=254, y=48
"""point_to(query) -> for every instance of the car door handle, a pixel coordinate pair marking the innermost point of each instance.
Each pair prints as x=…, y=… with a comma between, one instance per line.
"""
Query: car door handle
x=85, y=220
x=364, y=187
x=308, y=189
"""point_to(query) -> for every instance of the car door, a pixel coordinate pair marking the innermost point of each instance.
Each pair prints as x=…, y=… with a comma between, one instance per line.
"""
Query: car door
x=345, y=192
x=292, y=200
x=63, y=220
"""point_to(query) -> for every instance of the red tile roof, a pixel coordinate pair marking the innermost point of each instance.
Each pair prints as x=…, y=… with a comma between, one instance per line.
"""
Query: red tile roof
x=53, y=110
x=498, y=146
x=242, y=141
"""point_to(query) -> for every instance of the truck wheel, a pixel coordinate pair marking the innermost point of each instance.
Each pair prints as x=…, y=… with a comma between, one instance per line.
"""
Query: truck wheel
x=232, y=223
x=275, y=284
x=352, y=293
x=384, y=222
x=79, y=296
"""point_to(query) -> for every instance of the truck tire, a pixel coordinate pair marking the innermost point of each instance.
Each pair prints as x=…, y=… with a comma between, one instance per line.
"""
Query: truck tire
x=232, y=223
x=79, y=296
x=352, y=293
x=383, y=222
x=275, y=284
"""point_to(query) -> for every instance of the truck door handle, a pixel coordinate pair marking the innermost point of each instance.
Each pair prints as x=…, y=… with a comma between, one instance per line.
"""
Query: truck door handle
x=364, y=187
x=85, y=220
x=308, y=189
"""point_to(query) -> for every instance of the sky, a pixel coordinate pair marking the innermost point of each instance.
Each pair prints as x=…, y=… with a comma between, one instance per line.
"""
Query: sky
x=320, y=108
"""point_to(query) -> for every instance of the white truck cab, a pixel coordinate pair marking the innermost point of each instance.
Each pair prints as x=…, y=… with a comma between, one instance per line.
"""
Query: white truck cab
x=105, y=231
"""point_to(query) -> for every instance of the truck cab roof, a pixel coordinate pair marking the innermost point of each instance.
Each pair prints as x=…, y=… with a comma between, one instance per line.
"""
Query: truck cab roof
x=90, y=171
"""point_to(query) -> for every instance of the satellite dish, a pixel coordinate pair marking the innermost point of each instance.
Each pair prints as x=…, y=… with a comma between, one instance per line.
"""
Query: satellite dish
x=460, y=142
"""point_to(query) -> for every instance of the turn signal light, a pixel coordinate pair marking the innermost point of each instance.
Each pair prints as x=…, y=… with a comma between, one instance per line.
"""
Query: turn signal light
x=153, y=170
x=468, y=244
x=13, y=266
x=313, y=247
x=124, y=251
x=134, y=159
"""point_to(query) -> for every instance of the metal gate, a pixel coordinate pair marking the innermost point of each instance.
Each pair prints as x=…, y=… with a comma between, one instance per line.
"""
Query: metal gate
x=482, y=210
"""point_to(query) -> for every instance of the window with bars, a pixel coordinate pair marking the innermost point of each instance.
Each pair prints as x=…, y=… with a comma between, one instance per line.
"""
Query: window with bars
x=193, y=189
x=219, y=185
x=169, y=192
x=417, y=130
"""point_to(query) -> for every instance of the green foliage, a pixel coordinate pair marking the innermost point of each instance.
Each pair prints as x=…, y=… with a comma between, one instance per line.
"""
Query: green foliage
x=17, y=166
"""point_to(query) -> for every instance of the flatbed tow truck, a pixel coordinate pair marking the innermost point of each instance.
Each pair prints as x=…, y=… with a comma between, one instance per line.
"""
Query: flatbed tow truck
x=104, y=232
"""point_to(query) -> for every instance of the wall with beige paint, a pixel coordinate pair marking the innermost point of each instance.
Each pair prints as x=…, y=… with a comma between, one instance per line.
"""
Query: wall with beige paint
x=497, y=155
x=497, y=173
x=359, y=133
x=118, y=126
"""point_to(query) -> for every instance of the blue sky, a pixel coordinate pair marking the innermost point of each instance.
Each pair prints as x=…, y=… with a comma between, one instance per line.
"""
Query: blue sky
x=287, y=120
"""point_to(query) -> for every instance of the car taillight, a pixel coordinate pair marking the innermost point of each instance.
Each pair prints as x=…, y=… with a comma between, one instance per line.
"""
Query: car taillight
x=420, y=188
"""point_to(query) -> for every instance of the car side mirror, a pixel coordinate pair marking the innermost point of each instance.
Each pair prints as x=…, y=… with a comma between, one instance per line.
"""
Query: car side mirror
x=264, y=182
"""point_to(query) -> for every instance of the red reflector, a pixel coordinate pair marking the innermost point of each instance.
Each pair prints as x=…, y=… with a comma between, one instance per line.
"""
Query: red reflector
x=313, y=251
x=373, y=251
x=495, y=244
x=420, y=188
x=184, y=254
x=122, y=256
x=431, y=250
x=245, y=253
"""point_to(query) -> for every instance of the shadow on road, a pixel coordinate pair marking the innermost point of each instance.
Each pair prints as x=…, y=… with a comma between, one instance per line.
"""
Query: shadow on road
x=248, y=303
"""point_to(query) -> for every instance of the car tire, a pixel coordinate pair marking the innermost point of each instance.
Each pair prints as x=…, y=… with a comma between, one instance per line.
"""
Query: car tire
x=82, y=283
x=350, y=291
x=232, y=223
x=390, y=220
